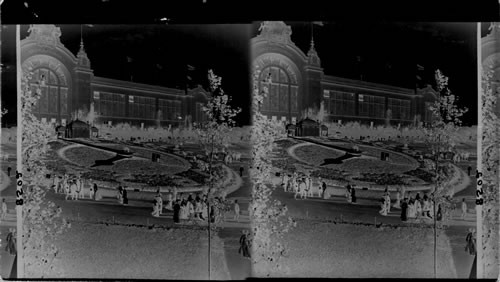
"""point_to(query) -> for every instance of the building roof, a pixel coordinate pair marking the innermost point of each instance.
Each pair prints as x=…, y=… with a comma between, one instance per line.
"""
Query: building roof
x=307, y=121
x=78, y=123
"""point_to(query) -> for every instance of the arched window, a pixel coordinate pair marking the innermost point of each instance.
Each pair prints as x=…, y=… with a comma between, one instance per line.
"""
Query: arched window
x=282, y=98
x=54, y=97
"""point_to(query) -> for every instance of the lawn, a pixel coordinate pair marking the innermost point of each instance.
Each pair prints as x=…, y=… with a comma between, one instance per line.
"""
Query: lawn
x=98, y=251
x=320, y=249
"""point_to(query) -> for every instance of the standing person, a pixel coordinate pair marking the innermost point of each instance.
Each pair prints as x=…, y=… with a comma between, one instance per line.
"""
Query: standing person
x=177, y=209
x=285, y=181
x=11, y=242
x=469, y=170
x=464, y=208
x=387, y=201
x=397, y=204
x=160, y=203
x=404, y=208
x=155, y=212
x=97, y=196
x=296, y=188
x=303, y=189
x=74, y=190
x=125, y=197
x=244, y=246
x=383, y=206
x=8, y=171
x=471, y=242
x=66, y=189
x=353, y=195
x=418, y=208
x=81, y=187
x=4, y=209
x=56, y=183
x=236, y=211
x=204, y=210
x=323, y=190
x=241, y=170
x=120, y=194
x=91, y=190
x=348, y=193
x=190, y=209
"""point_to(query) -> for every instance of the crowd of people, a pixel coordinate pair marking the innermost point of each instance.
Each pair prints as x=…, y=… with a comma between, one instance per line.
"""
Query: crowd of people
x=195, y=207
x=75, y=187
x=303, y=186
x=417, y=207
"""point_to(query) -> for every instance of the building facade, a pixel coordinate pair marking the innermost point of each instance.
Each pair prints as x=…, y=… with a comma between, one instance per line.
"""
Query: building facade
x=298, y=83
x=71, y=86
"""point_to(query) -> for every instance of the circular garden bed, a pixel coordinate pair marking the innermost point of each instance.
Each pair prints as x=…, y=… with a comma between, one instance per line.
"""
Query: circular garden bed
x=86, y=156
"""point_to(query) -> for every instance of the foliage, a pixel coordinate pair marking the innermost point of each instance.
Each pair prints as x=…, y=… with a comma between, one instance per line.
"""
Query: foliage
x=490, y=154
x=214, y=134
x=42, y=221
x=269, y=219
x=440, y=134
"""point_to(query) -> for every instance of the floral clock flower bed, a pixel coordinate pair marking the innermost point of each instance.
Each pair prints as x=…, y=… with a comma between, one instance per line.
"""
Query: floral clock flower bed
x=361, y=165
x=142, y=167
x=314, y=154
x=153, y=180
x=100, y=175
x=382, y=179
x=328, y=173
x=421, y=174
x=86, y=156
x=393, y=157
x=193, y=175
x=164, y=159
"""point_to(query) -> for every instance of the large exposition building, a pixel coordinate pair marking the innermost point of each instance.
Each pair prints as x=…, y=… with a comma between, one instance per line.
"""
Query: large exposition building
x=299, y=83
x=70, y=85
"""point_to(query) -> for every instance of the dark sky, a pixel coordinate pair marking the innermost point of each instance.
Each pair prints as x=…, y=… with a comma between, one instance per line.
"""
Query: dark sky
x=160, y=53
x=390, y=52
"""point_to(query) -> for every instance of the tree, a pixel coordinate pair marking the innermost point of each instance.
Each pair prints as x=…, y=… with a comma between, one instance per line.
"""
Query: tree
x=214, y=135
x=269, y=219
x=440, y=138
x=42, y=221
x=490, y=163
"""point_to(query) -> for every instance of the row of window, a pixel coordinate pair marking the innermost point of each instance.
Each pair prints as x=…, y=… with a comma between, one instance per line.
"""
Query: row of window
x=53, y=100
x=113, y=105
x=283, y=95
x=342, y=103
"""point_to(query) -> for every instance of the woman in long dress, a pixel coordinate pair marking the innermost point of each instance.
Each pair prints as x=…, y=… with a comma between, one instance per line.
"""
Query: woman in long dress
x=11, y=242
x=353, y=195
x=184, y=210
x=418, y=208
x=177, y=210
x=244, y=245
x=397, y=204
x=348, y=193
x=383, y=206
x=170, y=204
x=404, y=210
x=74, y=191
x=155, y=212
x=98, y=193
x=204, y=210
x=66, y=189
